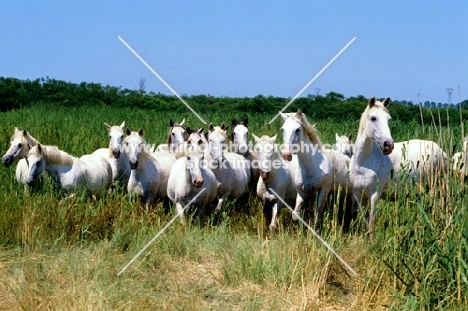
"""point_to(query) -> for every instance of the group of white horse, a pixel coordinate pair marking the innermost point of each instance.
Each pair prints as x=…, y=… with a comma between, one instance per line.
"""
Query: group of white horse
x=195, y=167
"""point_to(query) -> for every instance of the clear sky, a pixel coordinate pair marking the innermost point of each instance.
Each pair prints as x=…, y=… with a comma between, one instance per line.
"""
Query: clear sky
x=243, y=48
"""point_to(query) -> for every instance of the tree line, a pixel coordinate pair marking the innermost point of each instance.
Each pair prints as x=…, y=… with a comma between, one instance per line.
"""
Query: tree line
x=16, y=93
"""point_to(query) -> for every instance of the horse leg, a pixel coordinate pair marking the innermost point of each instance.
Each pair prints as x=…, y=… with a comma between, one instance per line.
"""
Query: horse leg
x=371, y=223
x=220, y=203
x=180, y=212
x=274, y=213
x=297, y=208
x=321, y=200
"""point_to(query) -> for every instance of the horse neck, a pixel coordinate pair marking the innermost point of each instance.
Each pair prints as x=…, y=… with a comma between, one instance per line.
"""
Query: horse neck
x=364, y=147
x=310, y=158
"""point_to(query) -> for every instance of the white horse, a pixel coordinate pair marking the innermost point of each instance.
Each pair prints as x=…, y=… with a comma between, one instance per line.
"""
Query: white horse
x=459, y=160
x=175, y=139
x=21, y=142
x=149, y=172
x=345, y=144
x=240, y=140
x=231, y=169
x=370, y=165
x=189, y=175
x=275, y=174
x=319, y=172
x=376, y=156
x=70, y=173
x=118, y=159
x=418, y=160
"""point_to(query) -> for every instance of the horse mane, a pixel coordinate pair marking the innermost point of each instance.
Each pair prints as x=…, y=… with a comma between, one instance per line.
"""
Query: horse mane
x=310, y=130
x=53, y=155
x=367, y=111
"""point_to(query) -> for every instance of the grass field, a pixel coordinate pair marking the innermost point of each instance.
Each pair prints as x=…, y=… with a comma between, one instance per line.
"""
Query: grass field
x=65, y=254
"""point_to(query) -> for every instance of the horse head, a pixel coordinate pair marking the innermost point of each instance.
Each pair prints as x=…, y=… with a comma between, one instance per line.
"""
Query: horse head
x=20, y=144
x=217, y=142
x=116, y=138
x=240, y=135
x=134, y=146
x=194, y=164
x=265, y=148
x=374, y=124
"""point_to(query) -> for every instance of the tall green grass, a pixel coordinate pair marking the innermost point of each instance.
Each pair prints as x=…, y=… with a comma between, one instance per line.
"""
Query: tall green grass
x=58, y=253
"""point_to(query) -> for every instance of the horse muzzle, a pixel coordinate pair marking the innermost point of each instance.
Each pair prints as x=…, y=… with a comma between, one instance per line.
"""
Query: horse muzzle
x=265, y=175
x=116, y=153
x=198, y=182
x=388, y=147
x=7, y=160
x=287, y=155
x=134, y=165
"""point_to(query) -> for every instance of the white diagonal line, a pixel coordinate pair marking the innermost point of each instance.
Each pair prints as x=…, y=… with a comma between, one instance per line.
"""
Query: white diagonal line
x=313, y=79
x=159, y=233
x=315, y=233
x=161, y=79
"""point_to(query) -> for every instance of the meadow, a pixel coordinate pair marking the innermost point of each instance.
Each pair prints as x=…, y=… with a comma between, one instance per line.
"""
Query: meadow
x=65, y=254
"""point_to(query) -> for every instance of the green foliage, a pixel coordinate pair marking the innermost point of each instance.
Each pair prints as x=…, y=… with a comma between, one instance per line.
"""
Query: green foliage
x=17, y=93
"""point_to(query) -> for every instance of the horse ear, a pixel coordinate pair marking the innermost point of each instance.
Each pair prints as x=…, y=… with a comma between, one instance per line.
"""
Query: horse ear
x=371, y=102
x=122, y=126
x=16, y=130
x=140, y=132
x=128, y=132
x=188, y=130
x=284, y=116
x=233, y=121
x=39, y=148
x=182, y=123
x=386, y=102
x=211, y=127
x=246, y=120
x=299, y=114
x=200, y=130
x=223, y=127
x=350, y=136
x=108, y=127
x=25, y=133
x=273, y=139
x=337, y=137
x=171, y=123
x=256, y=138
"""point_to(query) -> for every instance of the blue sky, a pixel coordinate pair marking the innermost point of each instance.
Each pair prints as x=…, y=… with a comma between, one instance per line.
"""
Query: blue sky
x=244, y=48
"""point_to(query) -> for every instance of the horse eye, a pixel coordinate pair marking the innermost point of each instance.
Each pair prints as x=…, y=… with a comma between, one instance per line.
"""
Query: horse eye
x=373, y=119
x=297, y=130
x=188, y=158
x=200, y=142
x=20, y=145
